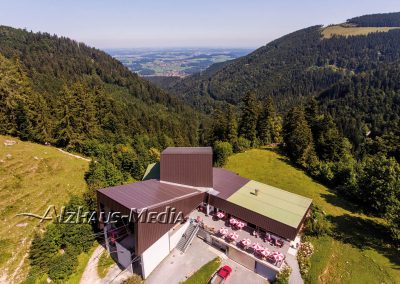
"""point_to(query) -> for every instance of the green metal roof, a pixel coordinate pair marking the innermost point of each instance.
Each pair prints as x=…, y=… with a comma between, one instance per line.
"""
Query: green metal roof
x=277, y=204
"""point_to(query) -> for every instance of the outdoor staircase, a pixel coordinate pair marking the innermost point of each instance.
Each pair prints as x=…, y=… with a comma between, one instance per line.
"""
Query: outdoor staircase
x=187, y=238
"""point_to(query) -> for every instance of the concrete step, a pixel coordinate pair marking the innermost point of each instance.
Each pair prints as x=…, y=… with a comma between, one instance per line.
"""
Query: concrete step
x=187, y=238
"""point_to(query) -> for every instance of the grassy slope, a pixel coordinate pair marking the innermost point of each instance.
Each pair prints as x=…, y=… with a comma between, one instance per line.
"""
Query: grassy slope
x=358, y=254
x=330, y=31
x=104, y=265
x=203, y=275
x=33, y=177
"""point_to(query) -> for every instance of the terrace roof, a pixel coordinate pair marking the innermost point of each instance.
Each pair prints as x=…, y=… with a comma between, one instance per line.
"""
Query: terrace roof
x=277, y=204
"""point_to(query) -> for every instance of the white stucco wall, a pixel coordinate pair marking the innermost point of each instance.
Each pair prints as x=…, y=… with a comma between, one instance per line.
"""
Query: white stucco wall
x=154, y=255
x=176, y=235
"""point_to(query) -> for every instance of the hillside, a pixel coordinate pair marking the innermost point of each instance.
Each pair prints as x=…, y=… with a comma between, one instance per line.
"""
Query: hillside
x=377, y=20
x=358, y=251
x=32, y=177
x=357, y=65
x=69, y=93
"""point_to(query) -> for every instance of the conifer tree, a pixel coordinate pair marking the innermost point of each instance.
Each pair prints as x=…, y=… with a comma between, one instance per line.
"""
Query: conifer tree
x=232, y=125
x=219, y=126
x=298, y=138
x=268, y=128
x=248, y=122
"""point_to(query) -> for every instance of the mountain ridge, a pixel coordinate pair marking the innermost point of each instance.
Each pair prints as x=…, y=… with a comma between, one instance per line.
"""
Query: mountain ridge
x=303, y=64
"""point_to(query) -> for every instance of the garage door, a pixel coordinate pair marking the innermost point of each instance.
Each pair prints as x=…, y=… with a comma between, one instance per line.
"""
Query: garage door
x=265, y=272
x=242, y=258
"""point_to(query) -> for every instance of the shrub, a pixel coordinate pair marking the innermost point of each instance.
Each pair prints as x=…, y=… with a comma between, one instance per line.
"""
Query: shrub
x=222, y=150
x=134, y=279
x=61, y=266
x=303, y=257
x=317, y=225
x=45, y=252
x=241, y=144
x=283, y=275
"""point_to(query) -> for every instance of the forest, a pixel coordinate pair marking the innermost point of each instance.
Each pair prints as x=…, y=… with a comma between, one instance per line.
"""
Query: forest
x=333, y=106
x=377, y=20
x=58, y=91
x=302, y=65
x=309, y=136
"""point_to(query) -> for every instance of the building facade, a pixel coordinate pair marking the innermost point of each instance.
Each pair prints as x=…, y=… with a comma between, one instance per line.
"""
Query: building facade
x=144, y=221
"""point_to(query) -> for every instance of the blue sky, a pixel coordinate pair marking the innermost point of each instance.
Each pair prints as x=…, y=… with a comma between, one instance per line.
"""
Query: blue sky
x=181, y=23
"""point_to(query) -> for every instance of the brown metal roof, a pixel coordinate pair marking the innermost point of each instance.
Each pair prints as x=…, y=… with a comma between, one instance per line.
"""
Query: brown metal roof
x=187, y=166
x=188, y=150
x=227, y=182
x=146, y=194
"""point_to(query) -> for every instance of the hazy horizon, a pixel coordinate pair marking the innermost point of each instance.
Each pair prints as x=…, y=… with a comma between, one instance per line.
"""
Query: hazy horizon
x=178, y=23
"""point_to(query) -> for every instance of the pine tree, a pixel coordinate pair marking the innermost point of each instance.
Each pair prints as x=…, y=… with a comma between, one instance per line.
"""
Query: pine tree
x=24, y=130
x=232, y=125
x=248, y=122
x=267, y=129
x=219, y=128
x=298, y=138
x=66, y=125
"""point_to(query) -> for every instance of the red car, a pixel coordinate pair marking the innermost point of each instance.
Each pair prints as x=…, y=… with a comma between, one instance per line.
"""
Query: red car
x=222, y=274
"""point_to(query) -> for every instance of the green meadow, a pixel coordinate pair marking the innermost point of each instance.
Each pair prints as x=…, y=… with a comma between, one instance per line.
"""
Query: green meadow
x=32, y=177
x=358, y=251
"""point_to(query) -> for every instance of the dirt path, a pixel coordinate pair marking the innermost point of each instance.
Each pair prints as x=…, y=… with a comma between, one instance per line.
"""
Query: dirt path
x=73, y=155
x=90, y=275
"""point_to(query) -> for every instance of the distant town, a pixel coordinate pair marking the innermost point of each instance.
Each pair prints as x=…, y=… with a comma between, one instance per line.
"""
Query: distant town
x=179, y=62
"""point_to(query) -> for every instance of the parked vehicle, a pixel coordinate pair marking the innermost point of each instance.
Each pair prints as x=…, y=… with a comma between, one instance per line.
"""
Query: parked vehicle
x=221, y=276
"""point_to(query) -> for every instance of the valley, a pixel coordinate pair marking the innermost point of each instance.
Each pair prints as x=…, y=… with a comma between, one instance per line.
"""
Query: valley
x=173, y=62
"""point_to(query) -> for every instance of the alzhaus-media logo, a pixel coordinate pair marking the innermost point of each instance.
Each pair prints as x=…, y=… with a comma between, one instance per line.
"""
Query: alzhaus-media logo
x=169, y=216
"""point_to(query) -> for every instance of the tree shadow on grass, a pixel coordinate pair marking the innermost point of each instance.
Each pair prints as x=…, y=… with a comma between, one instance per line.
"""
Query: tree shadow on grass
x=363, y=234
x=277, y=150
x=340, y=201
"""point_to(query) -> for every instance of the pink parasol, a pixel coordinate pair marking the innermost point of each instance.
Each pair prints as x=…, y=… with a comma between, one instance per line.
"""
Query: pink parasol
x=246, y=242
x=278, y=256
x=233, y=221
x=257, y=247
x=220, y=215
x=240, y=225
x=233, y=236
x=265, y=252
x=223, y=231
